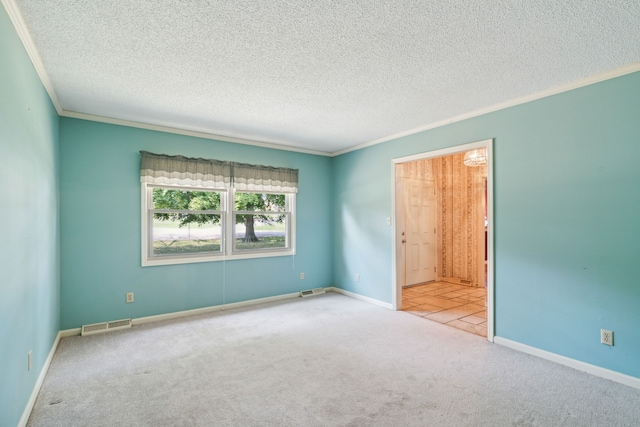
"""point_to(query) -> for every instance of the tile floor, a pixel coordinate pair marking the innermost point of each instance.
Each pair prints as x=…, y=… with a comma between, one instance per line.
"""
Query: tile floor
x=460, y=306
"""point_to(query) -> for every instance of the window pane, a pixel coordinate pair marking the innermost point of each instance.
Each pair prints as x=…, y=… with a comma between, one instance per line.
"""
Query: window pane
x=186, y=199
x=175, y=234
x=265, y=231
x=260, y=202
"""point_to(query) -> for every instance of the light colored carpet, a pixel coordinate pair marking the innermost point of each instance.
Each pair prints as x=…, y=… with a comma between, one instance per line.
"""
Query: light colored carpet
x=328, y=360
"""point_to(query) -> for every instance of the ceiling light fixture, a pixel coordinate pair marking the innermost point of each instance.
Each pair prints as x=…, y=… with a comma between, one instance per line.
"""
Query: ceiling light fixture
x=475, y=157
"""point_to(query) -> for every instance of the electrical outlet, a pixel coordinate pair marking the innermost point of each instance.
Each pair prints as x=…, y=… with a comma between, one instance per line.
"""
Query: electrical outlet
x=388, y=220
x=357, y=277
x=29, y=361
x=606, y=337
x=301, y=276
x=129, y=297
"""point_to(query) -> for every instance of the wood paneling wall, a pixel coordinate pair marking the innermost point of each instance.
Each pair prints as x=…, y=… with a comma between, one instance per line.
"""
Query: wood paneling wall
x=460, y=192
x=460, y=216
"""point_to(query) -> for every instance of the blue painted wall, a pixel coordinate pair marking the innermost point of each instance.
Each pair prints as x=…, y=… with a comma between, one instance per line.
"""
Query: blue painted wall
x=566, y=223
x=567, y=219
x=29, y=278
x=100, y=228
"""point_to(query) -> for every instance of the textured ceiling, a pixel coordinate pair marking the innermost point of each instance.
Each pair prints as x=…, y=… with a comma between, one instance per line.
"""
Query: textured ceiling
x=322, y=75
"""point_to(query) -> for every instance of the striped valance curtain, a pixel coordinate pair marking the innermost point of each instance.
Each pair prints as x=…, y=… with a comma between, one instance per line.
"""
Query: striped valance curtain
x=264, y=178
x=186, y=171
x=179, y=170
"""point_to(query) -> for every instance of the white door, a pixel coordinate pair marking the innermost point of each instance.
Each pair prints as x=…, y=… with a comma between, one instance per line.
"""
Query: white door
x=420, y=230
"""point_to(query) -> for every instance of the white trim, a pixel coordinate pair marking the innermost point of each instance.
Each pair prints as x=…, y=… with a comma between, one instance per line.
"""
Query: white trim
x=598, y=371
x=210, y=309
x=36, y=388
x=145, y=241
x=70, y=332
x=396, y=295
x=196, y=134
x=396, y=291
x=562, y=360
x=228, y=251
x=193, y=312
x=197, y=311
x=360, y=297
x=139, y=321
x=215, y=258
x=491, y=285
x=444, y=151
x=25, y=37
x=587, y=81
x=27, y=41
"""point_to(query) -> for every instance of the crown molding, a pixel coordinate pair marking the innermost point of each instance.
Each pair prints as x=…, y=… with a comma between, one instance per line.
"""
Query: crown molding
x=587, y=81
x=186, y=132
x=24, y=35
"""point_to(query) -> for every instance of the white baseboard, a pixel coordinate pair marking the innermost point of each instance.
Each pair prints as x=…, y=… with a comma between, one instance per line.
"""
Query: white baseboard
x=213, y=308
x=193, y=312
x=361, y=297
x=70, y=332
x=36, y=388
x=566, y=361
x=608, y=374
x=139, y=321
x=203, y=310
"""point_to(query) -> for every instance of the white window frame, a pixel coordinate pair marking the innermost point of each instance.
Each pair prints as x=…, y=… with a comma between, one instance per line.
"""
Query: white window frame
x=232, y=224
x=227, y=224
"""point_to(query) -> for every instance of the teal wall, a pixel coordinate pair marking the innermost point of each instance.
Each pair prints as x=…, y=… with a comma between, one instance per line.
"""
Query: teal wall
x=100, y=228
x=566, y=223
x=567, y=219
x=29, y=278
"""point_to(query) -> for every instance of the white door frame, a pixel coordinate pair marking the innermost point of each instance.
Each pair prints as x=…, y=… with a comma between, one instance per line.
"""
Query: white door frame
x=396, y=279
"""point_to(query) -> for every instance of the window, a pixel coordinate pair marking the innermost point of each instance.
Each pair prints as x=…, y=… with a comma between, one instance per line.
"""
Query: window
x=185, y=221
x=196, y=210
x=261, y=221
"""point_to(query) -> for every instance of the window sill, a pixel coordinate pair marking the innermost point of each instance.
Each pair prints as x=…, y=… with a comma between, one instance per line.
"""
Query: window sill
x=213, y=258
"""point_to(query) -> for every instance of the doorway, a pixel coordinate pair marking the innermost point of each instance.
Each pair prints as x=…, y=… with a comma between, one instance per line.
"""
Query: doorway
x=443, y=235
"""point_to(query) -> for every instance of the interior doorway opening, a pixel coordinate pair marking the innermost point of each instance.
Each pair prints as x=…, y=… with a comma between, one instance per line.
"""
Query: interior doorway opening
x=443, y=236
